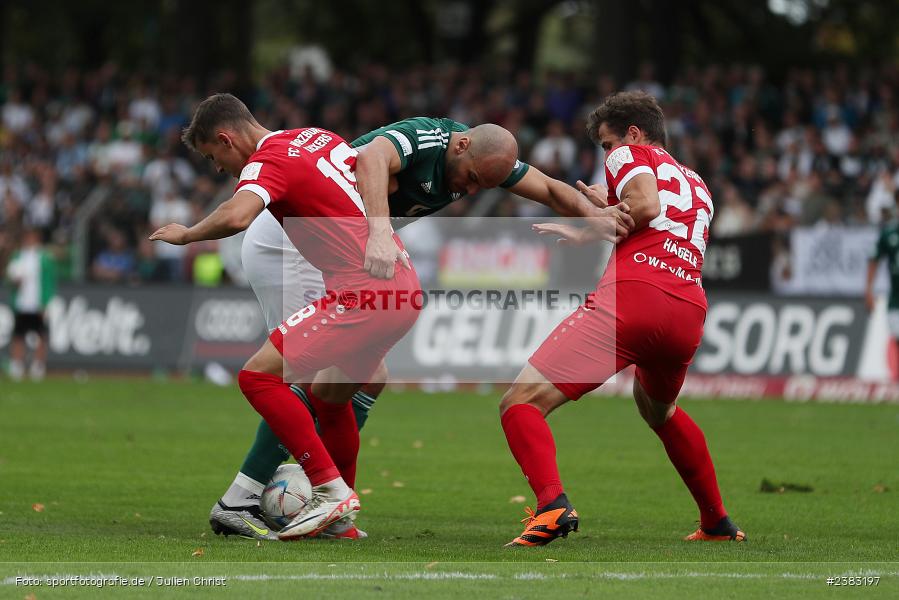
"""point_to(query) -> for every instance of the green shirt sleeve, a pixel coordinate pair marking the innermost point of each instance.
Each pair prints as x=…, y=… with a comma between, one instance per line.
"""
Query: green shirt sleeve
x=417, y=139
x=402, y=136
x=518, y=171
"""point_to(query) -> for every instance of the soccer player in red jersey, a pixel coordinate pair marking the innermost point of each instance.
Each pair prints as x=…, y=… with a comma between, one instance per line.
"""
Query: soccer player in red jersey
x=336, y=343
x=648, y=310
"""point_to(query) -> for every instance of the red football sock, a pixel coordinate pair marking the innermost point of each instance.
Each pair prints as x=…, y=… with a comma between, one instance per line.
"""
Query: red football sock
x=338, y=431
x=532, y=445
x=290, y=421
x=686, y=447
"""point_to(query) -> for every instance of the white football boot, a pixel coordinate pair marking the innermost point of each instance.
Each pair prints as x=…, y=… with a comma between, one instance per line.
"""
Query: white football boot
x=326, y=506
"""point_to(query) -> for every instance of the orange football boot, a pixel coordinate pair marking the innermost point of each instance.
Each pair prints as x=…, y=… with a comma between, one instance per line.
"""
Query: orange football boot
x=725, y=531
x=556, y=519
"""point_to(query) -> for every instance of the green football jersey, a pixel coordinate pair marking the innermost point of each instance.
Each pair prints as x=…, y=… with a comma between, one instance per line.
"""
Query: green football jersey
x=421, y=143
x=888, y=247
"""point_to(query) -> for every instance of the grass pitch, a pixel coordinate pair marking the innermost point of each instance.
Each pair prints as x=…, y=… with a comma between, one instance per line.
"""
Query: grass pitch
x=115, y=478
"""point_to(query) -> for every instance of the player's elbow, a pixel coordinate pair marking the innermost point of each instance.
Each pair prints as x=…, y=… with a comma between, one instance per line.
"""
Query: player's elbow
x=237, y=220
x=643, y=209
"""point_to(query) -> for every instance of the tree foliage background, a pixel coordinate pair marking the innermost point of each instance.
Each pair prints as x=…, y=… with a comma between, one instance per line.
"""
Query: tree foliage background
x=199, y=37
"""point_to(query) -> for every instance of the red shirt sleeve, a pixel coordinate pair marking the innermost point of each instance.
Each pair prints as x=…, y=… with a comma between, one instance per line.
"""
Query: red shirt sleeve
x=623, y=164
x=265, y=175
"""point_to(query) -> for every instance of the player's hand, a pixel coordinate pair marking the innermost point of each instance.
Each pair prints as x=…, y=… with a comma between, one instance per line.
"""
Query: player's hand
x=620, y=214
x=597, y=194
x=566, y=234
x=613, y=225
x=869, y=301
x=381, y=255
x=173, y=233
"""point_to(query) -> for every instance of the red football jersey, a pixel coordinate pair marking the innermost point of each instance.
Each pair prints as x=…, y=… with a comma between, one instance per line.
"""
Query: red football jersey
x=668, y=252
x=308, y=174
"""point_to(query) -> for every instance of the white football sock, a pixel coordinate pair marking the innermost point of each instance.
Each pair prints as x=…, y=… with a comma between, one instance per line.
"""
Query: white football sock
x=243, y=492
x=336, y=488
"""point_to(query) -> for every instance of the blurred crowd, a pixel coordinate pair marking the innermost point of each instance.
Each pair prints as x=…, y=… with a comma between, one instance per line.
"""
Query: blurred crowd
x=93, y=159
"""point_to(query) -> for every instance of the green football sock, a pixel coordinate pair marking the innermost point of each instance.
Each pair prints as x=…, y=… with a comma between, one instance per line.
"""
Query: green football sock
x=265, y=456
x=362, y=403
x=267, y=453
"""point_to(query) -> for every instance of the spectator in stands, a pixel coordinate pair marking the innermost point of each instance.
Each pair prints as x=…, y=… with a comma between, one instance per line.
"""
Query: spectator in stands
x=115, y=263
x=165, y=172
x=125, y=152
x=556, y=152
x=71, y=158
x=733, y=215
x=170, y=208
x=17, y=116
x=12, y=185
x=789, y=149
x=147, y=269
x=39, y=213
x=646, y=81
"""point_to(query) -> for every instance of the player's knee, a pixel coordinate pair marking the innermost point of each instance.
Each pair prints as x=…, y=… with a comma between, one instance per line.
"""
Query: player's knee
x=655, y=413
x=658, y=415
x=266, y=360
x=378, y=381
x=521, y=393
x=510, y=399
x=253, y=364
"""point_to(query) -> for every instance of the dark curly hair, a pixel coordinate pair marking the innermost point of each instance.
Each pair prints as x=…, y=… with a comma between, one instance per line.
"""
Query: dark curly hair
x=623, y=109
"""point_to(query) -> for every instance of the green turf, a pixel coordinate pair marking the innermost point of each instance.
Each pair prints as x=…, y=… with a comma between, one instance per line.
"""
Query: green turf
x=128, y=469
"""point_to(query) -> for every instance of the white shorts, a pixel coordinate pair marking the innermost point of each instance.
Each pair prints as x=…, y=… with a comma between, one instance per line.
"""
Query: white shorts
x=893, y=322
x=283, y=281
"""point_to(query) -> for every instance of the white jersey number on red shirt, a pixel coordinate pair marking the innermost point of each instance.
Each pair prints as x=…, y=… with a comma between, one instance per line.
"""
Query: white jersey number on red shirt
x=682, y=202
x=340, y=172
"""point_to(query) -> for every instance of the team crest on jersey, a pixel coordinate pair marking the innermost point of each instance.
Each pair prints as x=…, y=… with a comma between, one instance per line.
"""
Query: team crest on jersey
x=617, y=159
x=251, y=171
x=426, y=186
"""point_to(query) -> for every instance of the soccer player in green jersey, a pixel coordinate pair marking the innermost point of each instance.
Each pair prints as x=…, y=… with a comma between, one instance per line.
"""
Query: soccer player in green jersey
x=887, y=247
x=437, y=161
x=404, y=170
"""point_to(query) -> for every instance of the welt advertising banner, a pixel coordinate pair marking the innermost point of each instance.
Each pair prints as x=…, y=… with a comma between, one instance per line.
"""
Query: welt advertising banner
x=147, y=328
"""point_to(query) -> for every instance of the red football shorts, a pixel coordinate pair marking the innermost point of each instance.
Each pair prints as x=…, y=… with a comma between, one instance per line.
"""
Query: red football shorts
x=629, y=323
x=352, y=327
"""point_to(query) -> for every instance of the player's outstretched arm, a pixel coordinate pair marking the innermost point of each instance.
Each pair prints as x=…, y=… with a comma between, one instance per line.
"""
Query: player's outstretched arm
x=230, y=217
x=612, y=224
x=376, y=162
x=559, y=196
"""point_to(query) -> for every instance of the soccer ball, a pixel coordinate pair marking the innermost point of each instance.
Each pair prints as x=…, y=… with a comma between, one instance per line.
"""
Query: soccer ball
x=285, y=495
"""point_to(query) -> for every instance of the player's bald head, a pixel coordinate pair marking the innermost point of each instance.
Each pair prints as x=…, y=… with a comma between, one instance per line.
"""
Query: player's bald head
x=494, y=151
